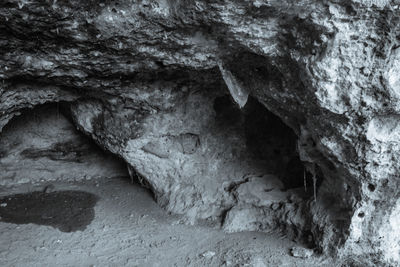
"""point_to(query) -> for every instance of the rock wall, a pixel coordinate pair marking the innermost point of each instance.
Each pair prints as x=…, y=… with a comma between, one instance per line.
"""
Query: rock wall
x=143, y=77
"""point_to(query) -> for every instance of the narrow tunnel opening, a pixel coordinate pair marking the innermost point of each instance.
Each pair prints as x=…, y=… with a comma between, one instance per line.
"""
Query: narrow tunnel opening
x=272, y=140
x=280, y=197
x=269, y=140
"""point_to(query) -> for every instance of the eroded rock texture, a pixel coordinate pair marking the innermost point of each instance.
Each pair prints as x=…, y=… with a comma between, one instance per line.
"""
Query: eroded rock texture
x=148, y=80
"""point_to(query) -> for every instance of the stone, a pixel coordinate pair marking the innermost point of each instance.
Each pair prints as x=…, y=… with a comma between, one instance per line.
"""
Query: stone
x=239, y=219
x=208, y=254
x=261, y=191
x=300, y=252
x=238, y=92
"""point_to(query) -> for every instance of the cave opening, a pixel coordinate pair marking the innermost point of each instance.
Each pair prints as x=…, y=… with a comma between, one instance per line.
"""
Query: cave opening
x=279, y=199
x=46, y=143
x=269, y=140
x=42, y=145
x=48, y=170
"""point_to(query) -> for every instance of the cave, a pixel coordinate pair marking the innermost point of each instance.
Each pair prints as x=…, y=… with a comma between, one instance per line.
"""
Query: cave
x=41, y=145
x=54, y=174
x=199, y=133
x=272, y=143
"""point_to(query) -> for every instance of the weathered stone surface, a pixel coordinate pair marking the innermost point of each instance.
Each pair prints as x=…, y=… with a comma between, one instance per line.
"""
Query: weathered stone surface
x=143, y=77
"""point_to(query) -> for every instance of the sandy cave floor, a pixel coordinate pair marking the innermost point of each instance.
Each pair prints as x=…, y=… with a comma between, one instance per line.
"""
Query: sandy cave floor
x=130, y=229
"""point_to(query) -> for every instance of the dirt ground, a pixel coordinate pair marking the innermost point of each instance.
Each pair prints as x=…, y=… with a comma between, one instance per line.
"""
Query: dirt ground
x=130, y=229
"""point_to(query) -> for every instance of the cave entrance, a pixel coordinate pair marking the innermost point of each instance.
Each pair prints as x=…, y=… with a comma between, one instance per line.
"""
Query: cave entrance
x=45, y=163
x=268, y=139
x=276, y=193
x=42, y=145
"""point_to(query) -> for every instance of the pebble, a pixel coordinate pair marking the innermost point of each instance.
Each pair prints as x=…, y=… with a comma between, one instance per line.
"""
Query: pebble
x=299, y=252
x=227, y=263
x=3, y=205
x=208, y=254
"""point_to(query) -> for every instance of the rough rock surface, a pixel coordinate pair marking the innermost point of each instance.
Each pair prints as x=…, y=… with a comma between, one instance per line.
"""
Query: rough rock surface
x=143, y=78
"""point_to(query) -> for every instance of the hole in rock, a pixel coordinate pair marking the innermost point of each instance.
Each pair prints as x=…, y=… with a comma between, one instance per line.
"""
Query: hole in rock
x=269, y=140
x=68, y=211
x=42, y=145
x=273, y=141
x=371, y=187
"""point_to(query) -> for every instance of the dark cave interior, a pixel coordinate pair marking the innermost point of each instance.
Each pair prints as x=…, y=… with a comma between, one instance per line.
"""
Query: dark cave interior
x=268, y=138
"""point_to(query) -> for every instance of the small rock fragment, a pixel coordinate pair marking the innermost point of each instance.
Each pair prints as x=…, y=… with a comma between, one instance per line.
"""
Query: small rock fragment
x=208, y=254
x=227, y=263
x=299, y=252
x=3, y=205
